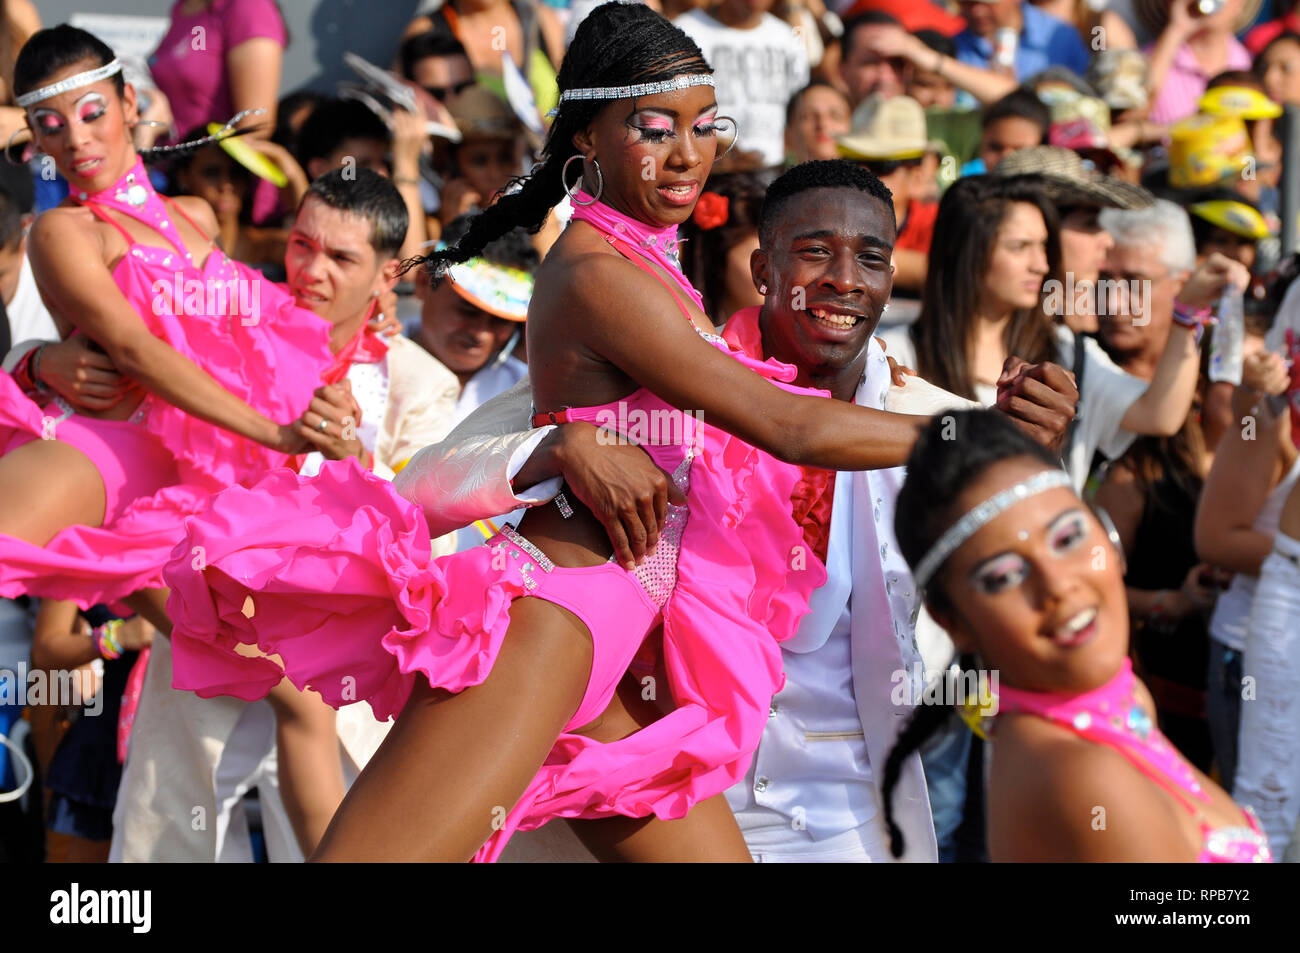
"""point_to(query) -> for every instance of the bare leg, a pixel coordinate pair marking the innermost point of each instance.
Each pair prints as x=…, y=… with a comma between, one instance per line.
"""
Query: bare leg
x=707, y=833
x=454, y=764
x=309, y=766
x=48, y=486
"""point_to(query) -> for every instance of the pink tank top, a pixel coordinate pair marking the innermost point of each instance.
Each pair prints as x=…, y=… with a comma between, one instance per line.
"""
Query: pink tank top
x=1111, y=715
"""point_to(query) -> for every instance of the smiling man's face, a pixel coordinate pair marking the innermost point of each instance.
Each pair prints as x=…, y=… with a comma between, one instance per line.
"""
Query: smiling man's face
x=828, y=275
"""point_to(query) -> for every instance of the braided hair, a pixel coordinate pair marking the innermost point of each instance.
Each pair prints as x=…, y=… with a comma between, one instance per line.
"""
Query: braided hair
x=618, y=44
x=953, y=451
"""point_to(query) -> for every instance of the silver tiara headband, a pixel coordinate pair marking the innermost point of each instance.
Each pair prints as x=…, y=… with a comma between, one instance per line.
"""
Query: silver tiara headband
x=72, y=82
x=968, y=525
x=641, y=89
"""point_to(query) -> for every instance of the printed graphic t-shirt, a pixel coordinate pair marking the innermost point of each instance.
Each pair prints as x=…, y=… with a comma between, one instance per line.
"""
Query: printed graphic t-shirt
x=756, y=72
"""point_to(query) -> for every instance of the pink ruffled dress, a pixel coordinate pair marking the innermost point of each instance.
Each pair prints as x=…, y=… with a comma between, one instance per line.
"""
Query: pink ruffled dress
x=333, y=575
x=161, y=464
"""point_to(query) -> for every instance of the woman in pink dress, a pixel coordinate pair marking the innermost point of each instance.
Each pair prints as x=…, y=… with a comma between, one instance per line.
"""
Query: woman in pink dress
x=212, y=356
x=1019, y=572
x=499, y=661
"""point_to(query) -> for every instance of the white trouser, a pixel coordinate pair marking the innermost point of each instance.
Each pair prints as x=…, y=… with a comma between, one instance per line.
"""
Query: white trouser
x=856, y=846
x=1268, y=760
x=193, y=759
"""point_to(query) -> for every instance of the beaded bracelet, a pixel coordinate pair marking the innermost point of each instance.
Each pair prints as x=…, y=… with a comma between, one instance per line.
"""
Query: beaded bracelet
x=105, y=637
x=26, y=371
x=1194, y=318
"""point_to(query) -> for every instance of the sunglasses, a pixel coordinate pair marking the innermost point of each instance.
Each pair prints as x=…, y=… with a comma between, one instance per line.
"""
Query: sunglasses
x=441, y=93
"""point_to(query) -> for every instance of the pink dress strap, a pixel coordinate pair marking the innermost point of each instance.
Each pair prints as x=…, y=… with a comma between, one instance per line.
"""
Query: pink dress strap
x=631, y=254
x=175, y=207
x=103, y=216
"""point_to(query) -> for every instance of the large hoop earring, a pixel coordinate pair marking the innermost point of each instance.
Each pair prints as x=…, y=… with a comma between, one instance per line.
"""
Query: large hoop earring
x=10, y=143
x=735, y=139
x=569, y=191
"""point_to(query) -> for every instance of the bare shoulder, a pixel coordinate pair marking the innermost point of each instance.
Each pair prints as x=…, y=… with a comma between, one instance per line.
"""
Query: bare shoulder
x=58, y=229
x=199, y=210
x=589, y=277
x=1054, y=796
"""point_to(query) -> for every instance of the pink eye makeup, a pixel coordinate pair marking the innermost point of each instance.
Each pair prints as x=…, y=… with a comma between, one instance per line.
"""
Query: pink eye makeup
x=1064, y=535
x=48, y=122
x=1000, y=573
x=90, y=107
x=1067, y=531
x=87, y=109
x=651, y=127
x=704, y=126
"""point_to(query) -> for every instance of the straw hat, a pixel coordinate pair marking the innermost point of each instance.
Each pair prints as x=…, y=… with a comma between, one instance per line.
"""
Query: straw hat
x=1120, y=76
x=1154, y=14
x=886, y=129
x=480, y=114
x=1068, y=182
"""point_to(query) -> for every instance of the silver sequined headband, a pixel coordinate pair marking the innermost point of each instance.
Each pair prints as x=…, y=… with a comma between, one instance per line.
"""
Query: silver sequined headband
x=628, y=92
x=72, y=82
x=967, y=526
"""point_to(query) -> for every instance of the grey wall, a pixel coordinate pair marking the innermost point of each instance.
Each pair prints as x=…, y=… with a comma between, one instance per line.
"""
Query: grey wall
x=319, y=31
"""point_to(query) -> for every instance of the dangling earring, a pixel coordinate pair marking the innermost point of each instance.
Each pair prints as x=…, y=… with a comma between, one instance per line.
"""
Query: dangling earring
x=600, y=181
x=762, y=289
x=10, y=144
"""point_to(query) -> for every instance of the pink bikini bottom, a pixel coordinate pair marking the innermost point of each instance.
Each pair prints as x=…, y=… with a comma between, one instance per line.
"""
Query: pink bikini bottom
x=606, y=598
x=131, y=460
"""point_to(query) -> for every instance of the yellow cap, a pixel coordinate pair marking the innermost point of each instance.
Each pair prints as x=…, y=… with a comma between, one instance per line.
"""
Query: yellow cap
x=1205, y=150
x=1239, y=101
x=1236, y=217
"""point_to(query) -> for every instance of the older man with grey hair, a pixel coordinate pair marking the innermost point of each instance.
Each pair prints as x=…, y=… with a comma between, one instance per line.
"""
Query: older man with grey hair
x=1154, y=298
x=1152, y=261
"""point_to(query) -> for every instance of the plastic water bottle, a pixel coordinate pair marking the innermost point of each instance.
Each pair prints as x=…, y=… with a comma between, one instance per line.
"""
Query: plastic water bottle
x=1005, y=42
x=1229, y=336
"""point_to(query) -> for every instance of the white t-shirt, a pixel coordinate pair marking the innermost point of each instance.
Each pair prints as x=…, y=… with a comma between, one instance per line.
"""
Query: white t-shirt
x=28, y=318
x=1231, y=618
x=756, y=72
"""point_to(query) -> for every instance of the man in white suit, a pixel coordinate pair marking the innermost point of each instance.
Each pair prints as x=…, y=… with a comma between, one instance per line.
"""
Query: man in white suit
x=813, y=792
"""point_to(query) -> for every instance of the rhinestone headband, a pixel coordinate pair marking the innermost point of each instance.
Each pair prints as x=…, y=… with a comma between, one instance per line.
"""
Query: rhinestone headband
x=628, y=92
x=967, y=526
x=72, y=82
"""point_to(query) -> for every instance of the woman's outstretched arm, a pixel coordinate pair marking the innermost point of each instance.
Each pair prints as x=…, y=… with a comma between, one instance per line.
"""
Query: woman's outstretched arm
x=68, y=264
x=631, y=321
